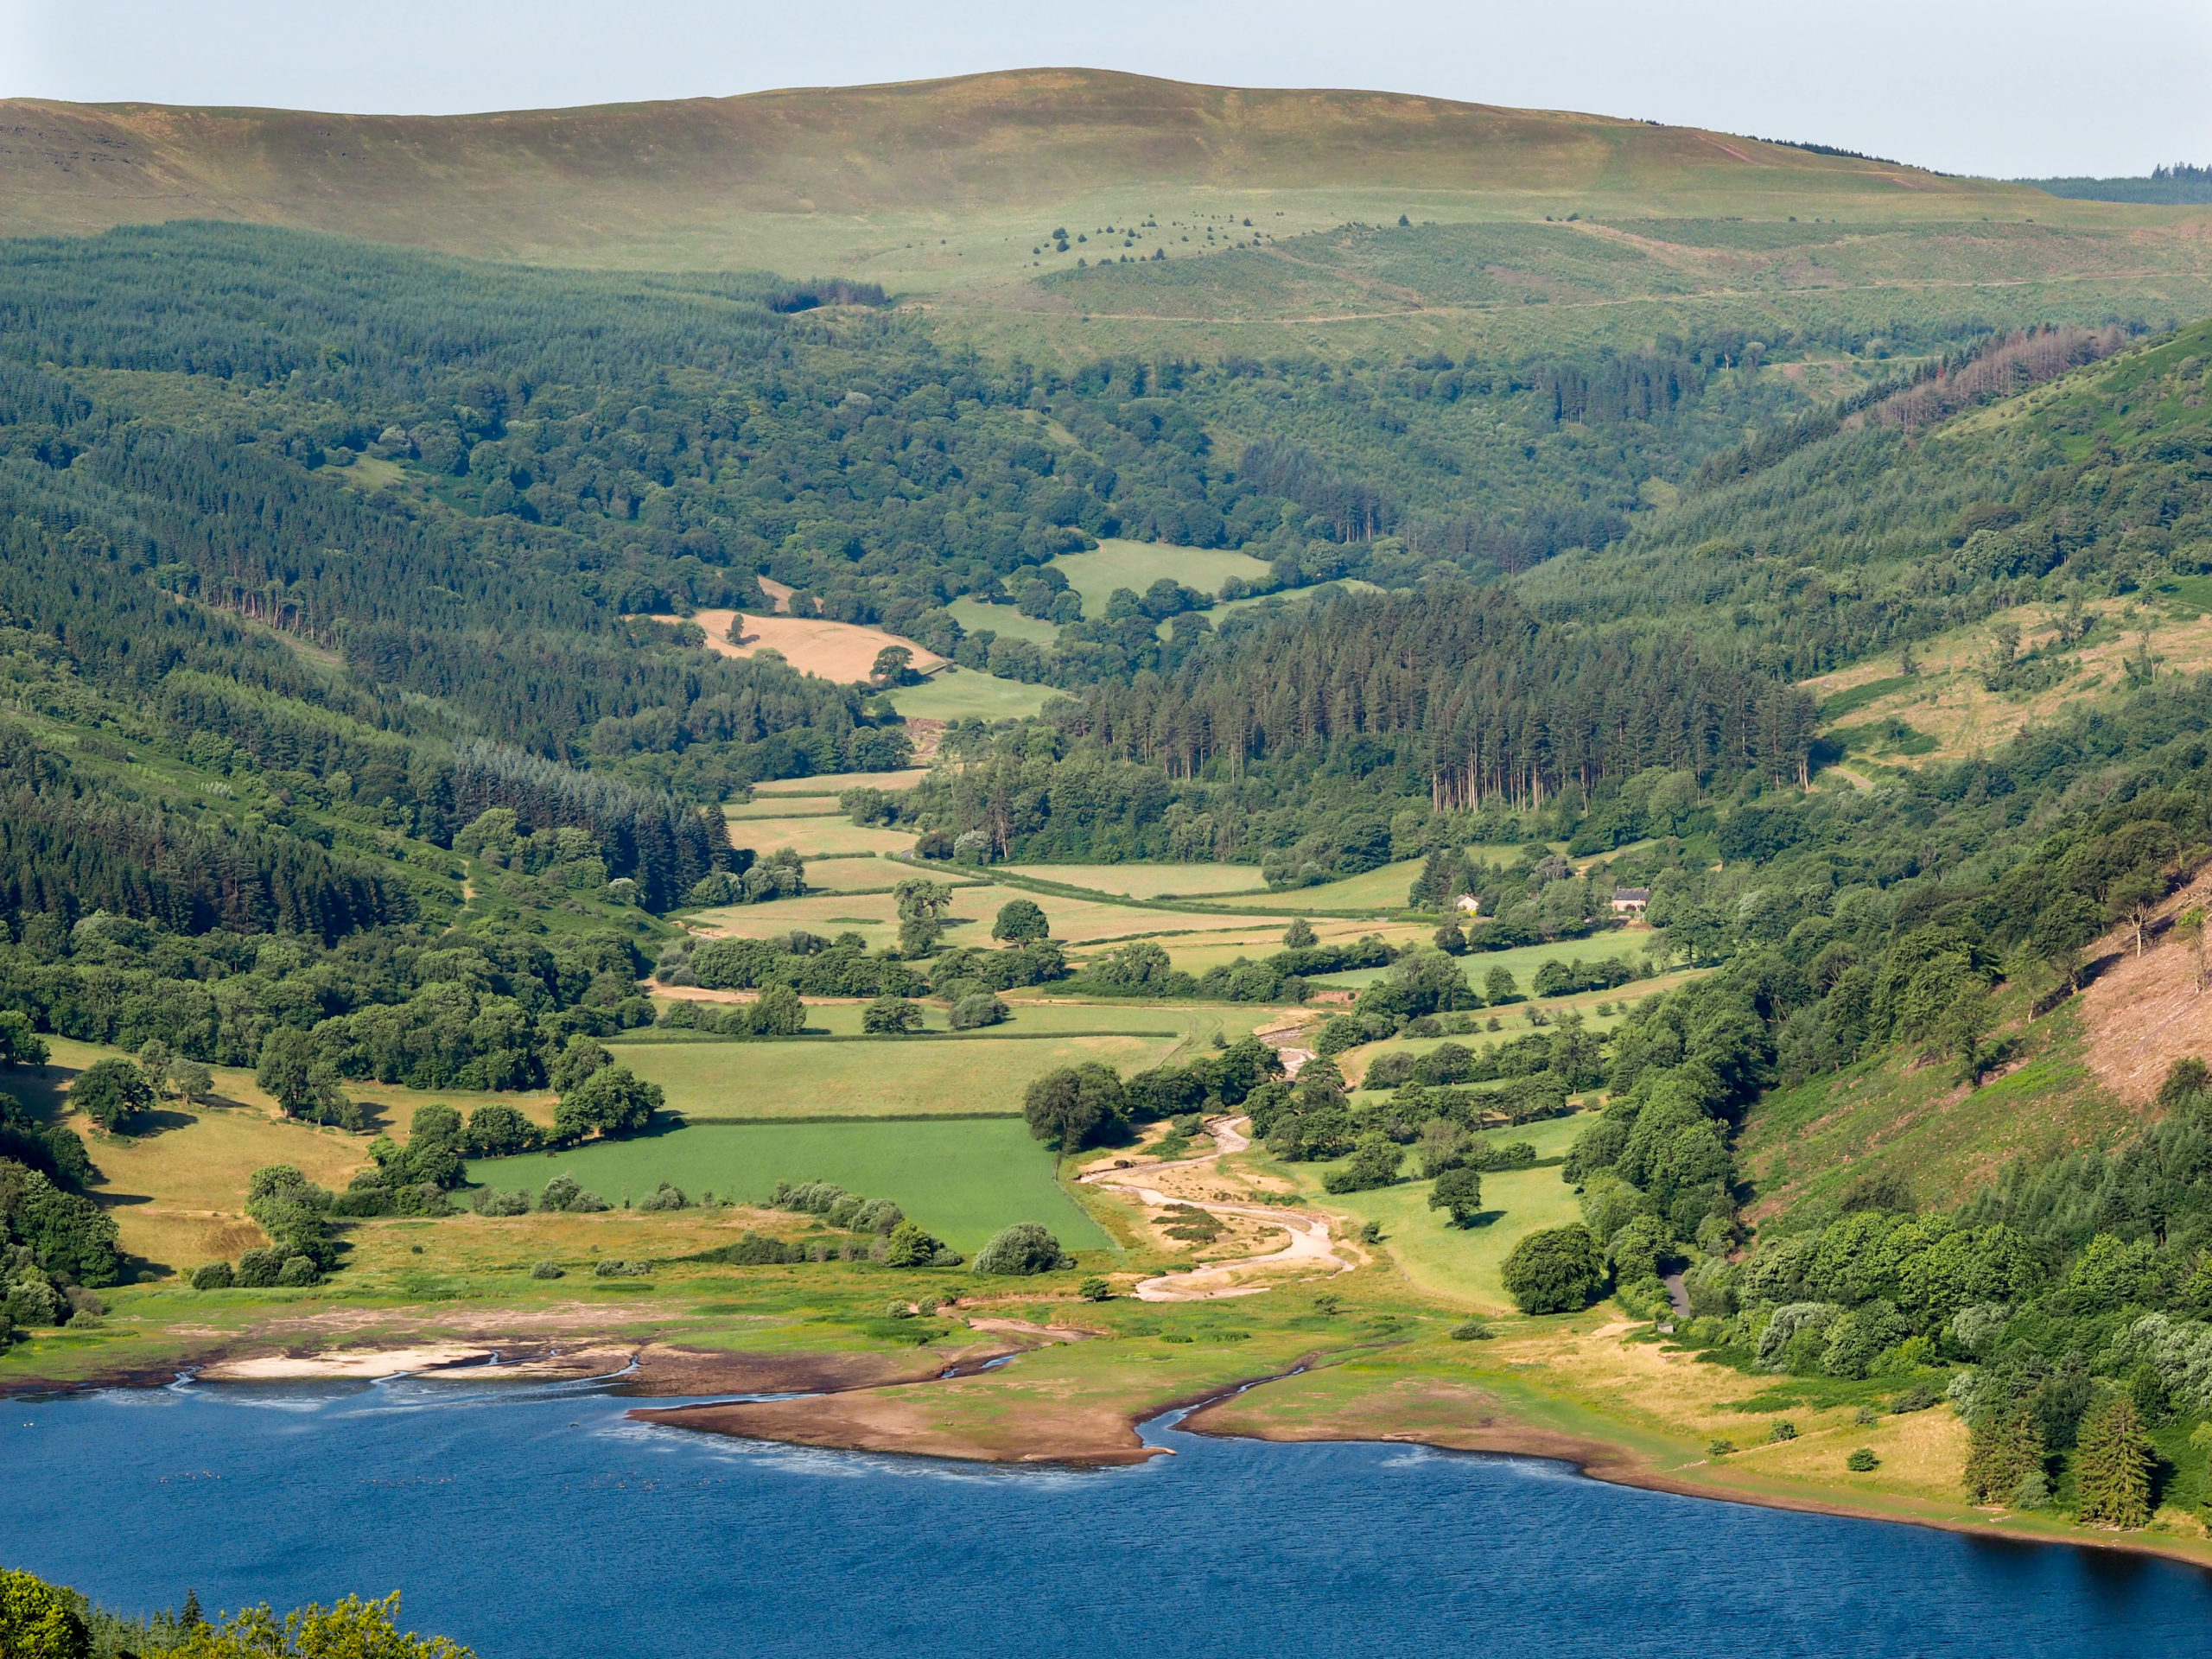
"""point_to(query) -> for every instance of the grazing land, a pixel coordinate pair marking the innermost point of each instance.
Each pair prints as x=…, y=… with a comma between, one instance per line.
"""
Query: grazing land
x=814, y=833
x=1136, y=565
x=962, y=1179
x=1461, y=1264
x=836, y=784
x=876, y=1076
x=955, y=693
x=1148, y=880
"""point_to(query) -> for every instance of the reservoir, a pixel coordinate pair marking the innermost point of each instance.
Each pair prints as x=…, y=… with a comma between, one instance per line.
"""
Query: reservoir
x=537, y=1522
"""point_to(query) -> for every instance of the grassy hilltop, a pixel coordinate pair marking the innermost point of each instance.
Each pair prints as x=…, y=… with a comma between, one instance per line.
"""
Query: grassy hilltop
x=930, y=184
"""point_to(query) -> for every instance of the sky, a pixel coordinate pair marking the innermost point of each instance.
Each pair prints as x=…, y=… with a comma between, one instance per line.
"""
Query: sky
x=2006, y=88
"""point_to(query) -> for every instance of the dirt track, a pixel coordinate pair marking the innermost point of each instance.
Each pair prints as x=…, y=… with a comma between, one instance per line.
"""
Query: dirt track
x=1309, y=1245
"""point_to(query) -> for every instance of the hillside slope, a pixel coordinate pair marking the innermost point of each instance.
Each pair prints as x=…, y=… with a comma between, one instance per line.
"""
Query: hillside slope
x=798, y=178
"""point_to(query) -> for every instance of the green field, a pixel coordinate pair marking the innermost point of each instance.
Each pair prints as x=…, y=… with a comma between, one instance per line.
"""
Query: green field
x=1001, y=619
x=1383, y=889
x=1147, y=881
x=812, y=835
x=835, y=784
x=963, y=1179
x=1463, y=1263
x=1137, y=565
x=963, y=694
x=880, y=1077
x=1522, y=961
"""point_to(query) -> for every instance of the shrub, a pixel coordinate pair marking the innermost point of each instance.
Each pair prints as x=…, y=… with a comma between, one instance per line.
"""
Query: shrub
x=549, y=1270
x=216, y=1275
x=613, y=1269
x=1095, y=1289
x=492, y=1202
x=1558, y=1270
x=666, y=1195
x=1472, y=1330
x=911, y=1247
x=982, y=1008
x=257, y=1269
x=1784, y=1429
x=562, y=1195
x=777, y=1012
x=1024, y=1248
x=1374, y=1163
x=1862, y=1461
x=298, y=1270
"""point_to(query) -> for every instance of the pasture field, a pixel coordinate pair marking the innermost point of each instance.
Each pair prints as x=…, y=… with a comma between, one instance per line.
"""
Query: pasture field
x=1522, y=961
x=1032, y=1012
x=1078, y=923
x=965, y=694
x=1463, y=1264
x=962, y=1179
x=1137, y=565
x=817, y=806
x=812, y=836
x=1380, y=889
x=886, y=1077
x=833, y=784
x=855, y=873
x=871, y=915
x=1001, y=619
x=1147, y=881
x=1199, y=951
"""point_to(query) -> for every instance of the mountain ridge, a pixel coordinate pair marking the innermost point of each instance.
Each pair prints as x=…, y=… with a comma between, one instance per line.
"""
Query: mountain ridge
x=697, y=181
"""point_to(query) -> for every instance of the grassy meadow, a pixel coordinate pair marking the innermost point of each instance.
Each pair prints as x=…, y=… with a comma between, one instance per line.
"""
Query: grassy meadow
x=955, y=693
x=812, y=833
x=1146, y=880
x=1463, y=1264
x=833, y=784
x=962, y=1179
x=1136, y=565
x=885, y=1077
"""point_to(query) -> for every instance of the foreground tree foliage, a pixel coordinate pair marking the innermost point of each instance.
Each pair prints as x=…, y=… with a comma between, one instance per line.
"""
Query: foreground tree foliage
x=40, y=1620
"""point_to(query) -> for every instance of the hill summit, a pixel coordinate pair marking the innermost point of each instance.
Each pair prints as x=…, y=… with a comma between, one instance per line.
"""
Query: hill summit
x=733, y=180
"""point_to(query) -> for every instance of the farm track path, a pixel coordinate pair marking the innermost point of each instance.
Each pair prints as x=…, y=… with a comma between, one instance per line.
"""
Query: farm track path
x=1310, y=1244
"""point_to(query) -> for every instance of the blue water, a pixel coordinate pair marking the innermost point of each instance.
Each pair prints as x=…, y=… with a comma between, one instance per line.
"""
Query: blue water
x=538, y=1524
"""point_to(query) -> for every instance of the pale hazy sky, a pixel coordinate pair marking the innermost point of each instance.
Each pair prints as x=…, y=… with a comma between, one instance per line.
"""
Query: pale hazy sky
x=2006, y=87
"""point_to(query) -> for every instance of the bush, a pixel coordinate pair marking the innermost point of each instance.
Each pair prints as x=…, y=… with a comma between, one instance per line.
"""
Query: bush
x=1472, y=1330
x=298, y=1270
x=216, y=1275
x=549, y=1270
x=1095, y=1289
x=777, y=1012
x=911, y=1247
x=1862, y=1461
x=562, y=1195
x=666, y=1195
x=1558, y=1270
x=971, y=1013
x=1374, y=1163
x=1024, y=1248
x=612, y=1269
x=257, y=1269
x=491, y=1202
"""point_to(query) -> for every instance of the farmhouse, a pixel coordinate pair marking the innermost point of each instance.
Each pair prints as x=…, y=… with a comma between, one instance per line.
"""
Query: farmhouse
x=1630, y=901
x=1467, y=903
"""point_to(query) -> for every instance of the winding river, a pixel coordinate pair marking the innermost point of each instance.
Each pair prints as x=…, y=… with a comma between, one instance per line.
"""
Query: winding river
x=537, y=1521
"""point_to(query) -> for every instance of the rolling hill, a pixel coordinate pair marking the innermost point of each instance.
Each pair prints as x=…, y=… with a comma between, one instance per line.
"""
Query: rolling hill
x=929, y=184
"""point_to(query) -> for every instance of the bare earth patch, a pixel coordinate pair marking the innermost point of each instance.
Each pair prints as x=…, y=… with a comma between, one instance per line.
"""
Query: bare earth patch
x=2144, y=1013
x=836, y=651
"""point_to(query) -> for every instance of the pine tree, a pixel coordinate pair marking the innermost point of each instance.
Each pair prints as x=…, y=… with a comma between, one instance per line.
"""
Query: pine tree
x=2007, y=1447
x=2112, y=1466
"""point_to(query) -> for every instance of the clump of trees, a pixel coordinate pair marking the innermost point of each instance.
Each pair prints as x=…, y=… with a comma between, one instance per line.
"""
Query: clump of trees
x=1024, y=1248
